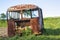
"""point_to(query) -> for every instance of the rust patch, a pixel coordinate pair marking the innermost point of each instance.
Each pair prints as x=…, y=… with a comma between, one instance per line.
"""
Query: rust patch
x=34, y=25
x=22, y=7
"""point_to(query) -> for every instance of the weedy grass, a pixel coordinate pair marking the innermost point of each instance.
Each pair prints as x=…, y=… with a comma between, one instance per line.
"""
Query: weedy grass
x=3, y=23
x=52, y=31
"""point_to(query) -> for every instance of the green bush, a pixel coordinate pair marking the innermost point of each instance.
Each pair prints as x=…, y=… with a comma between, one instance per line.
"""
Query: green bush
x=26, y=32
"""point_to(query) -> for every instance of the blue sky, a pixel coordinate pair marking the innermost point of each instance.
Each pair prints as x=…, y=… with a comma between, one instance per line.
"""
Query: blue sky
x=50, y=8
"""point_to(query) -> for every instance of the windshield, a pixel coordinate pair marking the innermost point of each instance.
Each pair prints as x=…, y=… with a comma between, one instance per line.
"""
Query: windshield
x=35, y=13
x=27, y=14
x=14, y=15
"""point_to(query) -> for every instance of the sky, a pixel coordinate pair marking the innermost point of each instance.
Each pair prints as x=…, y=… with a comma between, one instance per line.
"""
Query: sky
x=50, y=8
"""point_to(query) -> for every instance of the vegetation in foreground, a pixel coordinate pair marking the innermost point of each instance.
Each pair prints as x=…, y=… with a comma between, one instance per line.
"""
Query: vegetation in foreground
x=52, y=27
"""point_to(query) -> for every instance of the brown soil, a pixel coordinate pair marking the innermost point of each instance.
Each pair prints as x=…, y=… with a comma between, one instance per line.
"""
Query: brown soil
x=3, y=31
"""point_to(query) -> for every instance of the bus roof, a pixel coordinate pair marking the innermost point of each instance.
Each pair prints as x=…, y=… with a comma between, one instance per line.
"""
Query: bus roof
x=22, y=7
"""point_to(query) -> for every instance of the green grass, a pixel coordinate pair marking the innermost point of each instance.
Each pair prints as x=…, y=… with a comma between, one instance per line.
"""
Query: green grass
x=52, y=27
x=3, y=23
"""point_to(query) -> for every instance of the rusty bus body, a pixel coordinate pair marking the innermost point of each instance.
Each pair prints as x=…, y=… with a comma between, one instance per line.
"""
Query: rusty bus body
x=25, y=15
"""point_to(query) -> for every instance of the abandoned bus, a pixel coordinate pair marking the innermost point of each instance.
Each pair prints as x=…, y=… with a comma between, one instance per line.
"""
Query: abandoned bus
x=20, y=16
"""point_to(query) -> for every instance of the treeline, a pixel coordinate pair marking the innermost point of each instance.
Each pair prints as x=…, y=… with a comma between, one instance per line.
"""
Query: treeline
x=3, y=16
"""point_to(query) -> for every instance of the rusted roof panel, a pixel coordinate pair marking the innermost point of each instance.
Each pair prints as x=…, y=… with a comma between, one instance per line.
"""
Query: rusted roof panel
x=22, y=7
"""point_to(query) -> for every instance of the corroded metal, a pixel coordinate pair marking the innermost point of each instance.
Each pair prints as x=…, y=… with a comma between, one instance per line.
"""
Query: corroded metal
x=22, y=7
x=11, y=28
x=35, y=25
